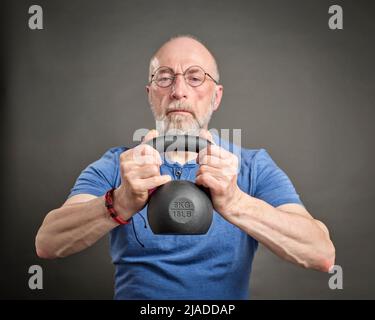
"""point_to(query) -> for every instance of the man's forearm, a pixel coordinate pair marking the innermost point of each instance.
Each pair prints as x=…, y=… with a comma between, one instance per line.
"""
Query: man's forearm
x=72, y=228
x=293, y=237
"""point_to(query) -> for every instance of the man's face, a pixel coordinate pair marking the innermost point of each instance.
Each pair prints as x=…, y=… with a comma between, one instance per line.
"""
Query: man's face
x=181, y=108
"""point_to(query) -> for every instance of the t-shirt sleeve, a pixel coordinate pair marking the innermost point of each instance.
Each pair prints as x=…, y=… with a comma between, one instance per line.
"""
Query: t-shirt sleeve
x=98, y=177
x=272, y=185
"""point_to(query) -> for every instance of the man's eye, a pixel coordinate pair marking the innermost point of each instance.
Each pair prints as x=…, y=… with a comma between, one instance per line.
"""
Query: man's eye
x=164, y=78
x=194, y=79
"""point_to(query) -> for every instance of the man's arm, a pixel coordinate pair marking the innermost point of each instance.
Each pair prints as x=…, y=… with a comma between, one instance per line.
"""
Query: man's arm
x=83, y=219
x=288, y=230
x=79, y=223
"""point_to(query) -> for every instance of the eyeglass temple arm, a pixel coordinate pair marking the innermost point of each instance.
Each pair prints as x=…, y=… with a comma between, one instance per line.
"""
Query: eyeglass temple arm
x=207, y=74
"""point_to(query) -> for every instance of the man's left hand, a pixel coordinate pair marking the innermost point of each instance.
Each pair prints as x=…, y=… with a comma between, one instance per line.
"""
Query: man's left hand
x=218, y=172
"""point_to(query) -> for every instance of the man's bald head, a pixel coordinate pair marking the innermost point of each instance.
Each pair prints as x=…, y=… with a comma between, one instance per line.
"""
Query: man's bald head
x=185, y=45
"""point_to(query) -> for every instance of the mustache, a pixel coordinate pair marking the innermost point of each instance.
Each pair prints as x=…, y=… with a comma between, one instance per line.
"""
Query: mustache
x=179, y=107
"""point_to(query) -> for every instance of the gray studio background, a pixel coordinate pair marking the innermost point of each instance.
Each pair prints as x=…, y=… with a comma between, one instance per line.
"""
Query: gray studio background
x=294, y=87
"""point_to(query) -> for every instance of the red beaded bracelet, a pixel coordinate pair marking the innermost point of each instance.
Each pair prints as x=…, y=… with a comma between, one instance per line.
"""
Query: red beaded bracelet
x=111, y=210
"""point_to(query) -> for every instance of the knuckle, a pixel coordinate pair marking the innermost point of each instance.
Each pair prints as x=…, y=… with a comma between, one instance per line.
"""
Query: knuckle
x=124, y=167
x=217, y=161
x=148, y=149
x=141, y=160
x=127, y=166
x=125, y=155
x=203, y=177
x=128, y=178
x=137, y=157
x=206, y=159
x=137, y=148
x=155, y=169
x=203, y=168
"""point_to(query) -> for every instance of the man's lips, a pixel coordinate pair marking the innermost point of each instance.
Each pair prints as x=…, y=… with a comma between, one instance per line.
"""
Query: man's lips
x=179, y=112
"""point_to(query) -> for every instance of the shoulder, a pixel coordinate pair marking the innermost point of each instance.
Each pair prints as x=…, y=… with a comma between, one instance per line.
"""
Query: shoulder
x=100, y=175
x=258, y=161
x=247, y=157
x=113, y=153
x=109, y=160
x=116, y=150
x=251, y=156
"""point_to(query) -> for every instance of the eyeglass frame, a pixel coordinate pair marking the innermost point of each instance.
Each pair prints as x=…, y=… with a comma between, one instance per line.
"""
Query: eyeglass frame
x=183, y=74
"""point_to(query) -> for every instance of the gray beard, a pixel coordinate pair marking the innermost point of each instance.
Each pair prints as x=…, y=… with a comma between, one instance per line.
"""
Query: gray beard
x=182, y=124
x=179, y=124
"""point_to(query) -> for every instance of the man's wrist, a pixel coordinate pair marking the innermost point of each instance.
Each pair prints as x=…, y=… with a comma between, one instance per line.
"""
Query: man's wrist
x=240, y=201
x=118, y=204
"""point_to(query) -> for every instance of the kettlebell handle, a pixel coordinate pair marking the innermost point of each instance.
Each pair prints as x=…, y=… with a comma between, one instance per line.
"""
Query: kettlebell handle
x=178, y=143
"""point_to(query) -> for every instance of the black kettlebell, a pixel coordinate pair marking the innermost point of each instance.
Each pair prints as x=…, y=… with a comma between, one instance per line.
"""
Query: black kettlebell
x=179, y=206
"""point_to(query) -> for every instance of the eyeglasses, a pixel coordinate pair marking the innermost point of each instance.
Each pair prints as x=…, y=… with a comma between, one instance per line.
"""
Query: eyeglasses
x=194, y=76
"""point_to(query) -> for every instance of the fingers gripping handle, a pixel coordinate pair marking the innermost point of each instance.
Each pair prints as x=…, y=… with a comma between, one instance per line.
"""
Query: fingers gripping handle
x=178, y=143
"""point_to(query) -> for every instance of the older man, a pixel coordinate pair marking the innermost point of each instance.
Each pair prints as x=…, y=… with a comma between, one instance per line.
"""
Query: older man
x=253, y=198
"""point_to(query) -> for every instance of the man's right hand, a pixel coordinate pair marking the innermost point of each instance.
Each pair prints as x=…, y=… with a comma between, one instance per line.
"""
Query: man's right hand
x=140, y=173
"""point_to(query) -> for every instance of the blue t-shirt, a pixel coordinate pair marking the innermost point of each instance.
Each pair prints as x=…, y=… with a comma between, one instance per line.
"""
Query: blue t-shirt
x=216, y=265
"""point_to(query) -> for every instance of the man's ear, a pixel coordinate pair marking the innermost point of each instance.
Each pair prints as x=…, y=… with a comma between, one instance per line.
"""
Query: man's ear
x=218, y=95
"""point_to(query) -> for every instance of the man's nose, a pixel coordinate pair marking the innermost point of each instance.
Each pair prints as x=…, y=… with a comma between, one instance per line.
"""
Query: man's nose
x=179, y=88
